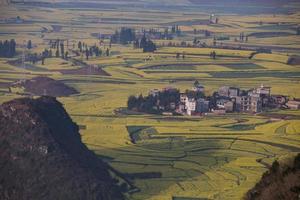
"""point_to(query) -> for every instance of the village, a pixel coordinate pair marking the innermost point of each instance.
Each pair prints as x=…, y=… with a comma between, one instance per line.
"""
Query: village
x=193, y=102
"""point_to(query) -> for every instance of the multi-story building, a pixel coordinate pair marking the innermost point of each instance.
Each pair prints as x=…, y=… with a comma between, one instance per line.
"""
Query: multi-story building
x=226, y=91
x=223, y=91
x=190, y=106
x=255, y=103
x=233, y=92
x=263, y=91
x=243, y=103
x=183, y=98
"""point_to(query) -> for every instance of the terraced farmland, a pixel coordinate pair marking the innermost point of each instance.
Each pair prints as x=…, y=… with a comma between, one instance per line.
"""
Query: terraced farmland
x=167, y=157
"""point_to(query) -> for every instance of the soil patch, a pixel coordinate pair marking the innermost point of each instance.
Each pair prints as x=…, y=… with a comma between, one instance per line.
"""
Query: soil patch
x=45, y=86
x=281, y=181
x=294, y=60
x=270, y=34
x=86, y=71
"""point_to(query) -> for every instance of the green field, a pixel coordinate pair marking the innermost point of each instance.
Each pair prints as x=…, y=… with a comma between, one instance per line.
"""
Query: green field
x=211, y=157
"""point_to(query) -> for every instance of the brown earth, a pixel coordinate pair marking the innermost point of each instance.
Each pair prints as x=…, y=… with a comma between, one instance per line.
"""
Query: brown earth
x=88, y=70
x=281, y=181
x=45, y=86
x=294, y=60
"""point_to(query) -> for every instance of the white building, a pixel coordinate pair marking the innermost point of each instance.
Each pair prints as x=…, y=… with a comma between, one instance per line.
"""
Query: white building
x=190, y=106
x=263, y=90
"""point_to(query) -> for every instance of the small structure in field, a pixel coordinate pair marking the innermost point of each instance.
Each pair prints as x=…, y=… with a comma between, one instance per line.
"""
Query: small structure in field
x=293, y=104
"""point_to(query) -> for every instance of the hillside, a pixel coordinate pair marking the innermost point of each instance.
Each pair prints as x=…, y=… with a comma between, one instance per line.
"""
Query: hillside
x=45, y=86
x=42, y=156
x=282, y=181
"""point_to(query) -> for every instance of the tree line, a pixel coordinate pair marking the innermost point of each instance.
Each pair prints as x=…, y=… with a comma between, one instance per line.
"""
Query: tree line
x=8, y=48
x=124, y=36
x=154, y=104
x=92, y=50
x=128, y=36
x=163, y=101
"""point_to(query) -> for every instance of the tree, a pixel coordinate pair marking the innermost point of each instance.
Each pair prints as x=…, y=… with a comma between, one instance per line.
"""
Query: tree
x=136, y=44
x=34, y=58
x=87, y=54
x=173, y=29
x=195, y=31
x=1, y=49
x=91, y=51
x=125, y=36
x=80, y=46
x=98, y=51
x=43, y=60
x=62, y=49
x=132, y=102
x=207, y=33
x=297, y=161
x=67, y=55
x=57, y=53
x=107, y=52
x=143, y=42
x=213, y=55
x=149, y=47
x=6, y=48
x=29, y=44
x=178, y=30
x=275, y=166
x=12, y=48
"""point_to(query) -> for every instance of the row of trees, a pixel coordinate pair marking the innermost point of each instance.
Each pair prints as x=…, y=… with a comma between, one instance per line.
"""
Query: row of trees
x=91, y=51
x=125, y=36
x=243, y=37
x=155, y=104
x=8, y=48
x=176, y=30
x=60, y=48
x=205, y=32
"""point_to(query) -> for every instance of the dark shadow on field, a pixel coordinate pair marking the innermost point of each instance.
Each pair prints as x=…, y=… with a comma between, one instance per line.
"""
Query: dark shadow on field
x=157, y=163
x=167, y=160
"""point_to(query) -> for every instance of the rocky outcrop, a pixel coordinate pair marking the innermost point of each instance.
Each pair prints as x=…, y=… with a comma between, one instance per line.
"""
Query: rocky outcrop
x=42, y=156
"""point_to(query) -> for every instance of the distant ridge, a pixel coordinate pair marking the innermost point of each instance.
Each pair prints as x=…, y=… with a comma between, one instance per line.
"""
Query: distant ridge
x=243, y=2
x=42, y=156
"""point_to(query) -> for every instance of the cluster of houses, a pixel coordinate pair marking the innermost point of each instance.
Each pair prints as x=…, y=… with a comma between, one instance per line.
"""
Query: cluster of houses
x=231, y=99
